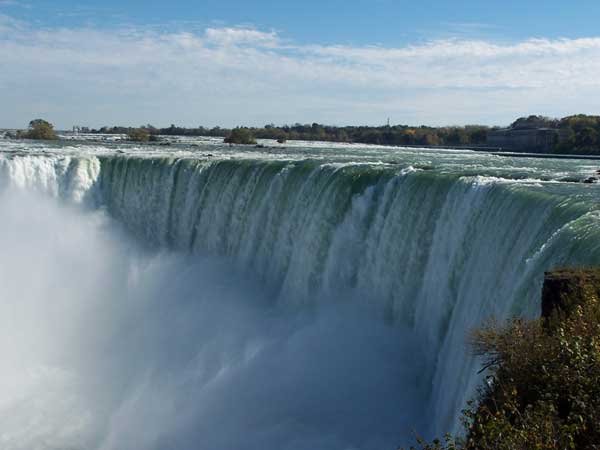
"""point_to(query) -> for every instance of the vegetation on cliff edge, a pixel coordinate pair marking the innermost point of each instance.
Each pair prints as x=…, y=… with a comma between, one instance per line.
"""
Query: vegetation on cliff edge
x=543, y=386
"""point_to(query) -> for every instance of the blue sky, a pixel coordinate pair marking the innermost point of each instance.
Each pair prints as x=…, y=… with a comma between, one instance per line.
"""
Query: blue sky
x=253, y=62
x=355, y=22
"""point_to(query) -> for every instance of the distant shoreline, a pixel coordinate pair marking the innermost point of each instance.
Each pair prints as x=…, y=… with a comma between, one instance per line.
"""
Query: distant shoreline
x=577, y=135
x=497, y=151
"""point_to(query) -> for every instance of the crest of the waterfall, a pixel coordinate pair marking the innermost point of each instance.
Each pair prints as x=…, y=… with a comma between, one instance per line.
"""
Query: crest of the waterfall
x=69, y=178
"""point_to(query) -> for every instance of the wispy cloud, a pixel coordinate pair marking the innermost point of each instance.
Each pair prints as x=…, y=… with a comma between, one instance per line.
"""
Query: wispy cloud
x=229, y=75
x=14, y=3
x=241, y=36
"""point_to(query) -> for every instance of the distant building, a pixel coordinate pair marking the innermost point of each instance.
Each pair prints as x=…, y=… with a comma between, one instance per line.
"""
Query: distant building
x=524, y=139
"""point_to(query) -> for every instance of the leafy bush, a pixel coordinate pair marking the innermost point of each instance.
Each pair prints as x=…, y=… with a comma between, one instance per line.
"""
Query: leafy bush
x=543, y=387
x=240, y=136
x=138, y=135
x=39, y=129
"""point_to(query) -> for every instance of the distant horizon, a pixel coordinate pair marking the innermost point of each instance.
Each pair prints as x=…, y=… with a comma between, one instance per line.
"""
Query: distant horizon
x=392, y=124
x=70, y=128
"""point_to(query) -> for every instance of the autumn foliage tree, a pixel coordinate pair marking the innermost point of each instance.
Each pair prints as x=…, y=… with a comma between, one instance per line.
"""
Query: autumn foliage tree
x=543, y=385
x=39, y=129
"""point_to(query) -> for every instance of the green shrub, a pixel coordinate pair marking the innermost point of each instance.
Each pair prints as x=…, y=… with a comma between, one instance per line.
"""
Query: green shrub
x=543, y=389
x=240, y=136
x=38, y=129
x=138, y=135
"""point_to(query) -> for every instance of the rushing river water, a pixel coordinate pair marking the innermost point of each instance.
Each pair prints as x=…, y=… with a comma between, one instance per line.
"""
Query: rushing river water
x=314, y=296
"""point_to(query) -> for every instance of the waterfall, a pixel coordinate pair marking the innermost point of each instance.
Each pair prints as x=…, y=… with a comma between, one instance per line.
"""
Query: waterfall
x=431, y=254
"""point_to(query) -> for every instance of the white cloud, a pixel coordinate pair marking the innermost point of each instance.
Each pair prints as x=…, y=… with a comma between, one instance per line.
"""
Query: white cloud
x=243, y=75
x=14, y=3
x=241, y=36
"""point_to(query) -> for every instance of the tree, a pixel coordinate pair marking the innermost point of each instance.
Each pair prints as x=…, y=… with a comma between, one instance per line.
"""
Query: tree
x=587, y=137
x=138, y=135
x=240, y=136
x=39, y=129
x=534, y=122
x=457, y=136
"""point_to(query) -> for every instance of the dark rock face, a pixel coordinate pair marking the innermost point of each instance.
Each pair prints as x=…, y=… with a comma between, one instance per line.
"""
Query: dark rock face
x=564, y=289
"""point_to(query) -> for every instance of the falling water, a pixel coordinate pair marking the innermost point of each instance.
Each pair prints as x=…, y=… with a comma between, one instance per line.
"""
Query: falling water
x=311, y=298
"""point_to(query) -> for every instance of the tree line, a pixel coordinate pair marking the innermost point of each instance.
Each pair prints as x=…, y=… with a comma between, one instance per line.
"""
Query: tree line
x=576, y=134
x=384, y=135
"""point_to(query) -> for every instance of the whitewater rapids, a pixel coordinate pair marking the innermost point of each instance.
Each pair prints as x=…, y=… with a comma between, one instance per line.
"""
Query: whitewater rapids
x=309, y=297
